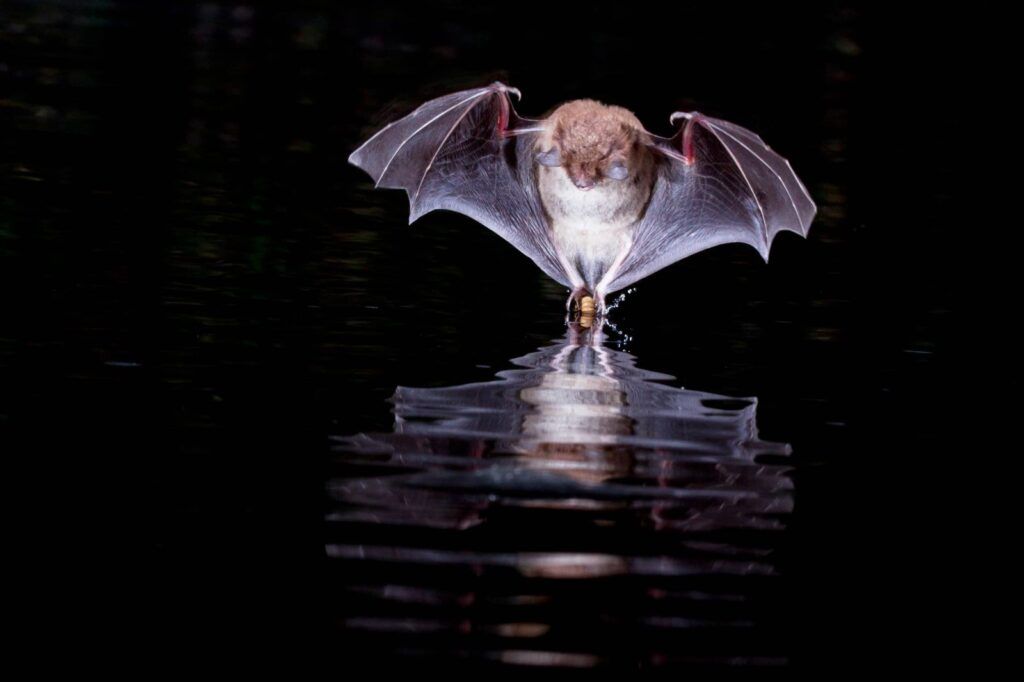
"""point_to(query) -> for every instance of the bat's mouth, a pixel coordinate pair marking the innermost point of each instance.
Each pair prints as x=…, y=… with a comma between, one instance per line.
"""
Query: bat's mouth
x=583, y=183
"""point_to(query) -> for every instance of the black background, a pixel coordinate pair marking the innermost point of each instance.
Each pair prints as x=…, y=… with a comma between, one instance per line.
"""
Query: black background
x=180, y=453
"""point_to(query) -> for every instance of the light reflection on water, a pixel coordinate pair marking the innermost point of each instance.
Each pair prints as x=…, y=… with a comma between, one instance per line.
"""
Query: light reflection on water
x=203, y=289
x=480, y=527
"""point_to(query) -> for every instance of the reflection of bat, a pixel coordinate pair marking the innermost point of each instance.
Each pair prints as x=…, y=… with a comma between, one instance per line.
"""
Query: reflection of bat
x=587, y=193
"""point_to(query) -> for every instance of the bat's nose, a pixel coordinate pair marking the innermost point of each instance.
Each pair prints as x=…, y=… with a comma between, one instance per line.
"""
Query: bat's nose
x=584, y=184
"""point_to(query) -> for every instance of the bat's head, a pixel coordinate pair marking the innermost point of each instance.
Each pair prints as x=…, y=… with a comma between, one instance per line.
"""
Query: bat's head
x=592, y=143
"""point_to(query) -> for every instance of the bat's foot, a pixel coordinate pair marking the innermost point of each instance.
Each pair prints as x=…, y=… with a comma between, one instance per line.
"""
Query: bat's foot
x=575, y=303
x=586, y=309
x=583, y=328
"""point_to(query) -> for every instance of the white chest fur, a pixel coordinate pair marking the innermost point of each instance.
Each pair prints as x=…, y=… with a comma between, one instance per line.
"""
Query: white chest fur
x=591, y=246
x=590, y=229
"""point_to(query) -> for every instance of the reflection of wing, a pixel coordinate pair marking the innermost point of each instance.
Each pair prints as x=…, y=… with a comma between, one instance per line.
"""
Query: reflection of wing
x=717, y=183
x=468, y=152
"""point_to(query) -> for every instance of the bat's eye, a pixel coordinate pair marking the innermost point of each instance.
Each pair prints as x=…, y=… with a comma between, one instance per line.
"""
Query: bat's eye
x=550, y=158
x=618, y=171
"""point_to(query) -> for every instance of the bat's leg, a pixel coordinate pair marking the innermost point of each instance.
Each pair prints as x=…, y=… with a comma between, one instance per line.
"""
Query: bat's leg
x=601, y=290
x=579, y=289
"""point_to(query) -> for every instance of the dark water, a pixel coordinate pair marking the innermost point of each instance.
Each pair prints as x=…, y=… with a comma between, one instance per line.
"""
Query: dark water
x=268, y=412
x=577, y=511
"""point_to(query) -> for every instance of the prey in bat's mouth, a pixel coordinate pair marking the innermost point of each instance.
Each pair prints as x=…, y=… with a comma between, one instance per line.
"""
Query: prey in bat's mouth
x=594, y=175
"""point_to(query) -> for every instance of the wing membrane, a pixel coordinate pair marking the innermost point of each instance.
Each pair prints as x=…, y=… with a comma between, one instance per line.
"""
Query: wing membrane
x=468, y=152
x=717, y=183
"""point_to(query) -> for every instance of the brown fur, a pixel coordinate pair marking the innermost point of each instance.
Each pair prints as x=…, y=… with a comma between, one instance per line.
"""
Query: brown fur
x=590, y=227
x=591, y=136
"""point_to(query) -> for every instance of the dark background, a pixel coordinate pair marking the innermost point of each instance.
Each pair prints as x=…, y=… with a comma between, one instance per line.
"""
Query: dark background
x=199, y=289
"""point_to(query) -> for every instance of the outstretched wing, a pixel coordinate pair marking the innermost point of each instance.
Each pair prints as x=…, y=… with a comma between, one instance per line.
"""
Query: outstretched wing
x=471, y=153
x=717, y=183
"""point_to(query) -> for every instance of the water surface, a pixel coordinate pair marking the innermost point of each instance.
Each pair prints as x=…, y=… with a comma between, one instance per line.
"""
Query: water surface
x=267, y=411
x=575, y=511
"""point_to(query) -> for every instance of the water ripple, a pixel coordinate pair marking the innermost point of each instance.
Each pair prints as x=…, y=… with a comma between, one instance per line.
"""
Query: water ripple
x=572, y=500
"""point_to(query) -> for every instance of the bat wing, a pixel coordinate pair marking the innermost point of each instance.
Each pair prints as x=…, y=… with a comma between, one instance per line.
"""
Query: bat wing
x=468, y=152
x=717, y=183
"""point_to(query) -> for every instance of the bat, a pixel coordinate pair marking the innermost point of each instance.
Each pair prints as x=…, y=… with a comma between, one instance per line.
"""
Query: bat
x=587, y=193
